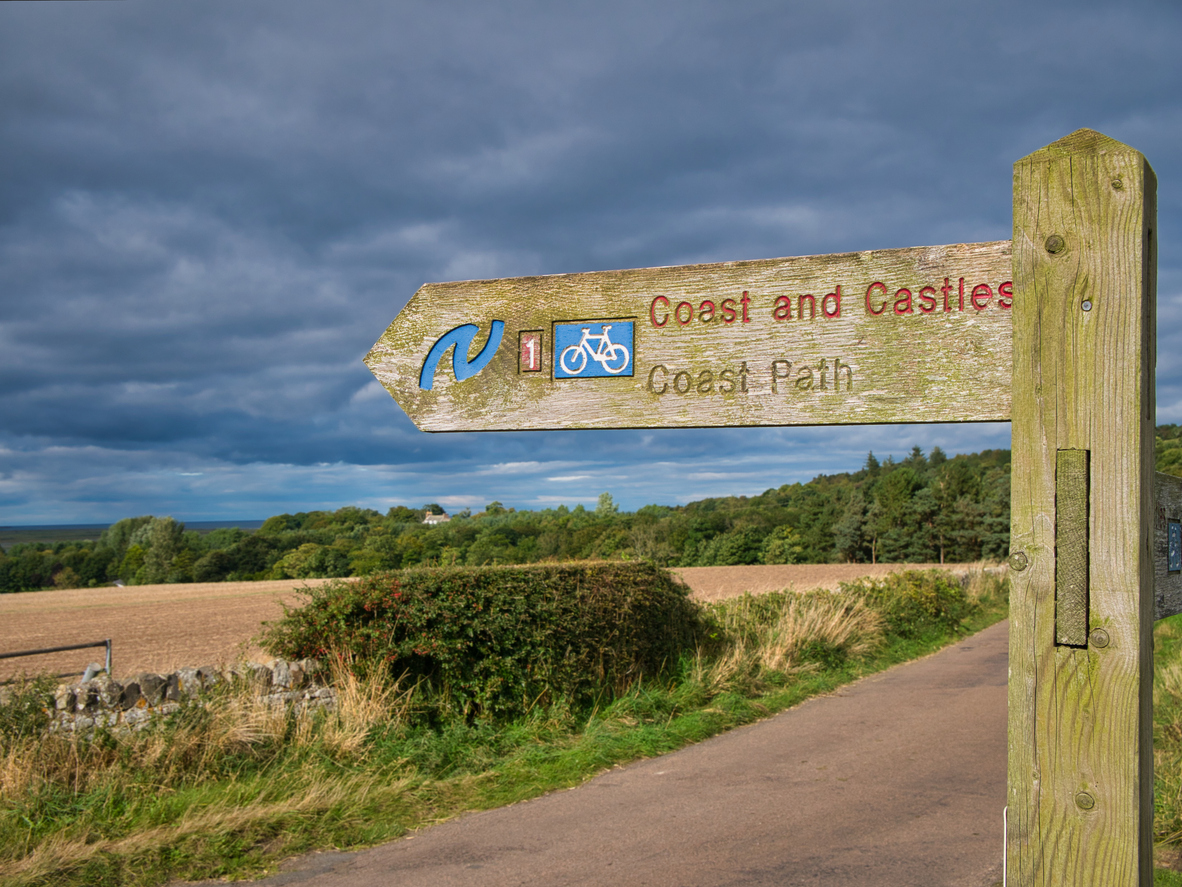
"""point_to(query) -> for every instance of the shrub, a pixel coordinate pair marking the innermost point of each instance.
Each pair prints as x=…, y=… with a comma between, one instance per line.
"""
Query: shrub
x=914, y=602
x=493, y=642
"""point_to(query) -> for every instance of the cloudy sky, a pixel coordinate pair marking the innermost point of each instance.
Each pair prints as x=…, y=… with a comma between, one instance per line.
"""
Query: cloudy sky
x=210, y=211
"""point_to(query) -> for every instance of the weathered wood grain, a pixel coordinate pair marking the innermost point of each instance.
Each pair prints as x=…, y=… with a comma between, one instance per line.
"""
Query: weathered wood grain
x=933, y=354
x=1167, y=586
x=1081, y=762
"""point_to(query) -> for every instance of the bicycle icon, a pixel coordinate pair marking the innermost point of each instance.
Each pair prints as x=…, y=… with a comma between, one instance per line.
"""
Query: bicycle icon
x=589, y=350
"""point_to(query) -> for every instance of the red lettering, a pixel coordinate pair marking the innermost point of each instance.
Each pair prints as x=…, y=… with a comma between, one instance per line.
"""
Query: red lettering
x=836, y=297
x=946, y=289
x=983, y=292
x=962, y=294
x=929, y=302
x=783, y=308
x=728, y=311
x=902, y=303
x=706, y=311
x=1005, y=294
x=869, y=290
x=677, y=312
x=746, y=301
x=652, y=311
x=812, y=306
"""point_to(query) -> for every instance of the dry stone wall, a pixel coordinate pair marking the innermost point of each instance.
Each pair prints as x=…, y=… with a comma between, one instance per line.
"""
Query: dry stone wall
x=105, y=702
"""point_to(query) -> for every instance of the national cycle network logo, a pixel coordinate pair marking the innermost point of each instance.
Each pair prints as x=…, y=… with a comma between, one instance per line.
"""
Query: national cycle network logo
x=459, y=340
x=593, y=349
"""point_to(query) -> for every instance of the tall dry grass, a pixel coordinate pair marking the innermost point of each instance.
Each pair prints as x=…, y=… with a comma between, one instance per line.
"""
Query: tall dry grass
x=365, y=700
x=984, y=580
x=783, y=633
x=232, y=720
x=213, y=750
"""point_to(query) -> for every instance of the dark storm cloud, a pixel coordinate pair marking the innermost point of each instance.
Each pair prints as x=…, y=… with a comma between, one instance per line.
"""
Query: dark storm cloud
x=210, y=211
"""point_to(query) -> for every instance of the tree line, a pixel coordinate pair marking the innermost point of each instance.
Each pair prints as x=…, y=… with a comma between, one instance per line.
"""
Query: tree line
x=921, y=509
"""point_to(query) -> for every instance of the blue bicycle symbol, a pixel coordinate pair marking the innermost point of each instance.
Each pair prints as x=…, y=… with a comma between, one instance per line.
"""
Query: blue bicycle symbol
x=593, y=353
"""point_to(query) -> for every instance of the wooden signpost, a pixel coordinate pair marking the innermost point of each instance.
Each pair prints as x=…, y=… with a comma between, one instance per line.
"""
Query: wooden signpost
x=909, y=335
x=1053, y=331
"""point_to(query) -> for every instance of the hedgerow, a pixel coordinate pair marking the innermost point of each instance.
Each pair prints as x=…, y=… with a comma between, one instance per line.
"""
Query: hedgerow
x=494, y=642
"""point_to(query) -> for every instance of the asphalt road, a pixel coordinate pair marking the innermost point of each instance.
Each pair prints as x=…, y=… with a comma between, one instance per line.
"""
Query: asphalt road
x=898, y=779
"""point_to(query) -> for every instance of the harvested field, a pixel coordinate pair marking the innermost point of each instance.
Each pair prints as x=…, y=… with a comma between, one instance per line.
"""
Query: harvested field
x=153, y=627
x=163, y=627
x=716, y=583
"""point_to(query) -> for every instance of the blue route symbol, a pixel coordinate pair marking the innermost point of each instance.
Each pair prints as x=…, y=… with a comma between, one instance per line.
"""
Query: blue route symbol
x=588, y=350
x=461, y=339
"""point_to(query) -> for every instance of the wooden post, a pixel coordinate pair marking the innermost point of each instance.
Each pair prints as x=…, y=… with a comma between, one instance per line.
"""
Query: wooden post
x=1082, y=609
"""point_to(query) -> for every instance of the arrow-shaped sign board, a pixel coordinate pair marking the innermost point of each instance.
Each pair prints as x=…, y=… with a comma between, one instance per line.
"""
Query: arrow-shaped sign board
x=908, y=335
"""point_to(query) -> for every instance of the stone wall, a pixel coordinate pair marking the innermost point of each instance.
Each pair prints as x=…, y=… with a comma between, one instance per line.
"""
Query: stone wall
x=103, y=701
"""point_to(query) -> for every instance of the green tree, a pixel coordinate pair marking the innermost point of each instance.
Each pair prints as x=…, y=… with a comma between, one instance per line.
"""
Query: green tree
x=117, y=537
x=890, y=518
x=872, y=466
x=162, y=539
x=955, y=491
x=741, y=545
x=852, y=531
x=132, y=563
x=214, y=566
x=781, y=546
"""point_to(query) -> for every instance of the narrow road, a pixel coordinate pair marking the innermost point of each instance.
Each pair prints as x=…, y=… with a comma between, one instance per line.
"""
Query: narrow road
x=898, y=779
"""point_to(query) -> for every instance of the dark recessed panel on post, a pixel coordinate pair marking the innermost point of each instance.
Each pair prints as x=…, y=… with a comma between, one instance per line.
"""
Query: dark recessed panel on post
x=1071, y=548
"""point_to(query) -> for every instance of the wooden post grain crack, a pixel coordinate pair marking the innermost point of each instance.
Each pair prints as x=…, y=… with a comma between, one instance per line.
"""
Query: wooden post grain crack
x=1080, y=698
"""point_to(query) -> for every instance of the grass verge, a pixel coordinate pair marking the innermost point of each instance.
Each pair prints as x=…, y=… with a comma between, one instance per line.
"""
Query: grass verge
x=1167, y=750
x=229, y=787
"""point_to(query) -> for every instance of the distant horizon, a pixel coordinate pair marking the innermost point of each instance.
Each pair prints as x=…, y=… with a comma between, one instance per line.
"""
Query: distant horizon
x=452, y=504
x=205, y=525
x=720, y=463
x=624, y=499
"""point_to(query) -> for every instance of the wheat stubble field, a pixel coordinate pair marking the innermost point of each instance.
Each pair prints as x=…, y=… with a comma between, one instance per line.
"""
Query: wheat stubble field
x=163, y=627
